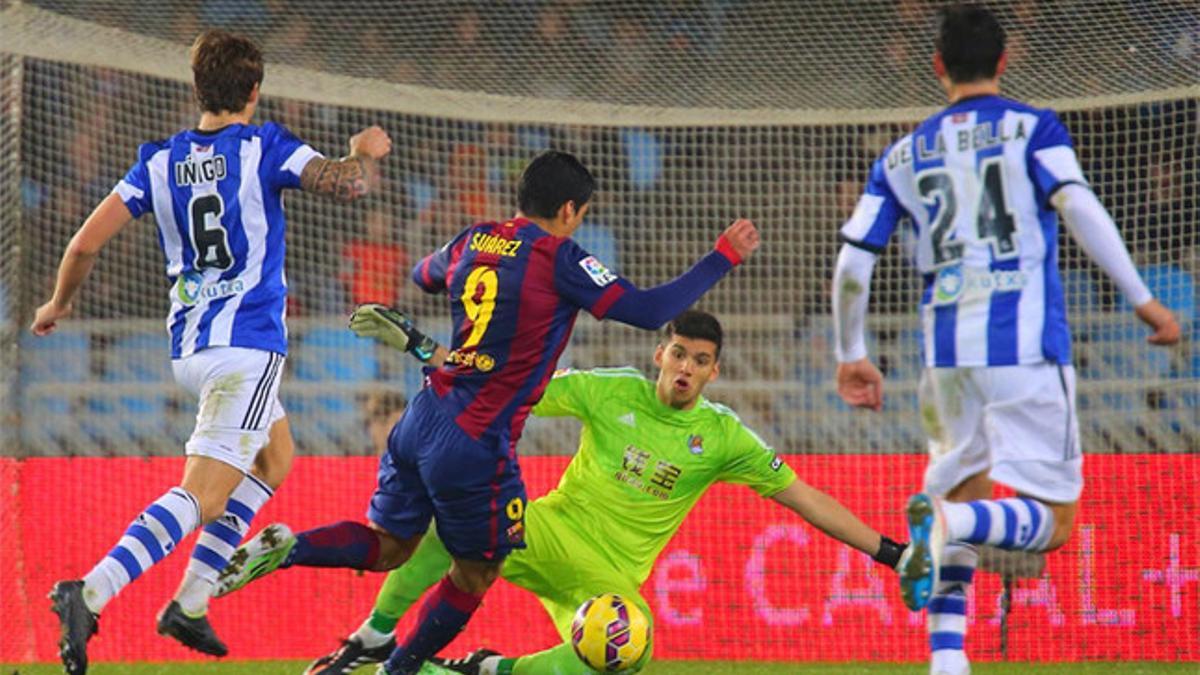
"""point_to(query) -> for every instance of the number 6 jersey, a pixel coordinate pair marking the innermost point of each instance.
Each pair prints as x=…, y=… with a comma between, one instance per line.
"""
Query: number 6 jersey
x=975, y=181
x=217, y=198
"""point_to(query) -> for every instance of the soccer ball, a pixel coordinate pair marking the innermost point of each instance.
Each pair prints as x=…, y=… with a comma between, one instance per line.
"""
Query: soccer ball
x=609, y=633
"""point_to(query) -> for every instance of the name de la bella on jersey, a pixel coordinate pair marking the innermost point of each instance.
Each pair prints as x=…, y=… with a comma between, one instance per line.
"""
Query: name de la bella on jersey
x=979, y=137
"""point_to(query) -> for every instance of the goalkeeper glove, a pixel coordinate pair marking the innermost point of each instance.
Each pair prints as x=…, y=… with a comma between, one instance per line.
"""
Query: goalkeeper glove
x=393, y=328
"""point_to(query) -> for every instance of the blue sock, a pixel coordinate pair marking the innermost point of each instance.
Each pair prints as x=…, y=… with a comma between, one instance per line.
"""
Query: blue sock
x=1014, y=524
x=344, y=544
x=947, y=610
x=443, y=616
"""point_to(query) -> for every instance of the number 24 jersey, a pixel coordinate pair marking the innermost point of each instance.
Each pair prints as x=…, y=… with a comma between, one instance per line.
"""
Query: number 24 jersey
x=975, y=182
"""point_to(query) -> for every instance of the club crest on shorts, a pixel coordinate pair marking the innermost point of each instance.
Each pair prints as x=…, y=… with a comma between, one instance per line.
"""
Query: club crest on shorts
x=695, y=444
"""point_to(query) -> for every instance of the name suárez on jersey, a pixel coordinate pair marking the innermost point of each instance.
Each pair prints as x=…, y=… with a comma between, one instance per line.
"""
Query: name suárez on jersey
x=979, y=137
x=490, y=243
x=207, y=170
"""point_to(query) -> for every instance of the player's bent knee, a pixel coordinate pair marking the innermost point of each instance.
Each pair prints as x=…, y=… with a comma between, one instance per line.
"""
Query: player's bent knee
x=274, y=462
x=393, y=551
x=1064, y=525
x=474, y=576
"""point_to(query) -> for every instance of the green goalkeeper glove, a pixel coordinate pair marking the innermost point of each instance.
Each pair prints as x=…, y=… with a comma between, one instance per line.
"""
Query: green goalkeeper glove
x=393, y=328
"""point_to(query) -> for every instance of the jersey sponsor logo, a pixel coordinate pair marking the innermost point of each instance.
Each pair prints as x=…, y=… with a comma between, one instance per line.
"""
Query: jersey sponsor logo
x=595, y=269
x=190, y=288
x=695, y=444
x=490, y=243
x=657, y=478
x=955, y=284
x=484, y=363
x=207, y=170
x=627, y=419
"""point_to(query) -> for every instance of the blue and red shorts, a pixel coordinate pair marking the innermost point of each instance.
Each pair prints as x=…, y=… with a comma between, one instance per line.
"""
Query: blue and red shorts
x=433, y=469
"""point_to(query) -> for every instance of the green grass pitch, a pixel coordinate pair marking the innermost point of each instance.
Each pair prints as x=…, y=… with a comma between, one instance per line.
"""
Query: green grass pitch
x=657, y=668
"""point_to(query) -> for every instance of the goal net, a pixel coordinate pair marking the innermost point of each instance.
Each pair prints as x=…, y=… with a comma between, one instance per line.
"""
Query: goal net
x=691, y=114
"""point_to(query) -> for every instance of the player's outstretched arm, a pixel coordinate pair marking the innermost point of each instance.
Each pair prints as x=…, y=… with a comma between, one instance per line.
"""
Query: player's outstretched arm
x=109, y=217
x=859, y=382
x=1090, y=224
x=395, y=329
x=829, y=516
x=651, y=308
x=353, y=176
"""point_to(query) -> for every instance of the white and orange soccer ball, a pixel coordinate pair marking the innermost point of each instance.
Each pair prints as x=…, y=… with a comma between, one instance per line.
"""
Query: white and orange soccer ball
x=609, y=633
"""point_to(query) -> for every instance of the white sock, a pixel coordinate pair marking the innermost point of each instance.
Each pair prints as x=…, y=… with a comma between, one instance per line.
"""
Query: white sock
x=947, y=611
x=217, y=542
x=1015, y=524
x=489, y=665
x=370, y=637
x=149, y=538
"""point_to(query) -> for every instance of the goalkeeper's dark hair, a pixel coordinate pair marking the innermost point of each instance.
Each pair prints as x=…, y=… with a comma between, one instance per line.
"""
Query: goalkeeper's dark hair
x=696, y=325
x=971, y=42
x=552, y=179
x=225, y=68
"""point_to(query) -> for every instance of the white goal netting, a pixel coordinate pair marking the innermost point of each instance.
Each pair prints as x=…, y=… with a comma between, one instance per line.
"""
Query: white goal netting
x=690, y=113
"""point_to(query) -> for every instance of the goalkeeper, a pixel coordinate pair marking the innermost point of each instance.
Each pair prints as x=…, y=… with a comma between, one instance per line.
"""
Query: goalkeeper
x=647, y=452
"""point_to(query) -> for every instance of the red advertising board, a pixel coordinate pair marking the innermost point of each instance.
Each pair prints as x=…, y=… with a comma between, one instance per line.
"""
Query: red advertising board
x=744, y=579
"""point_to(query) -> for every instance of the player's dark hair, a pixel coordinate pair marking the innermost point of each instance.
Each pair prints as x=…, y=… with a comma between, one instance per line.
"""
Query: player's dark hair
x=696, y=325
x=225, y=68
x=971, y=42
x=552, y=179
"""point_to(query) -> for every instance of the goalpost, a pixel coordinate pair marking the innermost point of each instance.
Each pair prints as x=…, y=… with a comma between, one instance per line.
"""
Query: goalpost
x=691, y=115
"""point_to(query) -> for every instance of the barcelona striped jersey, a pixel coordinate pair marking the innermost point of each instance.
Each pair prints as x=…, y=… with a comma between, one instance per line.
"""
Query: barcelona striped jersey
x=515, y=291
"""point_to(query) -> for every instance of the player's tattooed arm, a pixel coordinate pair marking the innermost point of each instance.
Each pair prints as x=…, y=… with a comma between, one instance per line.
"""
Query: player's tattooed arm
x=343, y=179
x=350, y=177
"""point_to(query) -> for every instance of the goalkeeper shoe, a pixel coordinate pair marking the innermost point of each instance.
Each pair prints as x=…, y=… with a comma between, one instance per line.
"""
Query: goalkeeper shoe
x=352, y=654
x=469, y=664
x=193, y=631
x=78, y=625
x=260, y=556
x=921, y=562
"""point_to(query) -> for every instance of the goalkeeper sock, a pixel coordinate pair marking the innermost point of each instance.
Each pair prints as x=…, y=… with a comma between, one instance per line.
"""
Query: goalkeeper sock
x=217, y=542
x=371, y=636
x=444, y=615
x=1014, y=524
x=150, y=537
x=947, y=612
x=560, y=659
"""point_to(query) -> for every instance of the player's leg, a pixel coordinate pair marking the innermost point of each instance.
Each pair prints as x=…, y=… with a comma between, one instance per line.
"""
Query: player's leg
x=398, y=516
x=951, y=406
x=947, y=610
x=1033, y=435
x=479, y=506
x=374, y=641
x=1028, y=420
x=183, y=618
x=227, y=382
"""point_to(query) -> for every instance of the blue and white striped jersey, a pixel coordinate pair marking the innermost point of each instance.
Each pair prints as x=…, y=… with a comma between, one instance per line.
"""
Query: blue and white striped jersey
x=217, y=197
x=975, y=181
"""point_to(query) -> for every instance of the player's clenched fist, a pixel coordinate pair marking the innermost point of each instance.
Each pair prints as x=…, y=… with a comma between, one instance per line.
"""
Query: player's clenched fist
x=47, y=316
x=741, y=237
x=372, y=142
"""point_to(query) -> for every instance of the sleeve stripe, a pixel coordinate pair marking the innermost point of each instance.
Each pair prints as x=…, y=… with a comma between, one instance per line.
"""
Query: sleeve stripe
x=299, y=159
x=869, y=248
x=607, y=300
x=1059, y=186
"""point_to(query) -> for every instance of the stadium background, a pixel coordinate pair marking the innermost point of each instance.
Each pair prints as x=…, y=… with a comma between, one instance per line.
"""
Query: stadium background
x=692, y=113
